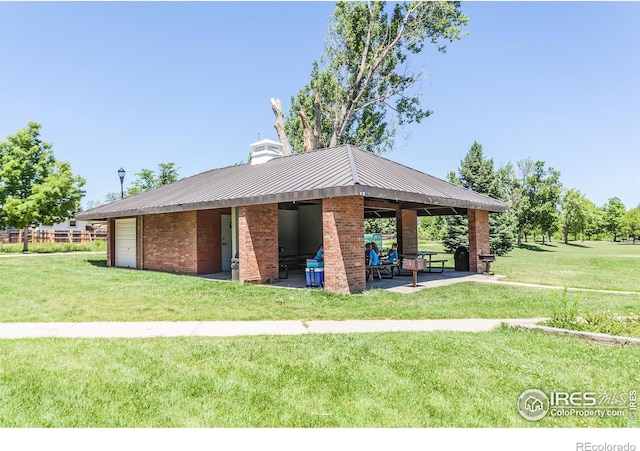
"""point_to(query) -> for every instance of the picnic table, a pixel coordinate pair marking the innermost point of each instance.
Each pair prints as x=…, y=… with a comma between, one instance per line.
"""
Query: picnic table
x=383, y=265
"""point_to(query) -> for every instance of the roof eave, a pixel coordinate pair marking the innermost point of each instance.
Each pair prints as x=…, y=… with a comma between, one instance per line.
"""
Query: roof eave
x=340, y=191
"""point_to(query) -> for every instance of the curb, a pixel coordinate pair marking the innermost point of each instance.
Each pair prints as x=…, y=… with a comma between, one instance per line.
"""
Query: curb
x=595, y=337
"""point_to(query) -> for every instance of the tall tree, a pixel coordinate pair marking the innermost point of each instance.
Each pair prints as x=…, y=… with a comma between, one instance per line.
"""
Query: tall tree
x=540, y=194
x=147, y=179
x=614, y=210
x=630, y=224
x=432, y=228
x=519, y=202
x=595, y=221
x=574, y=208
x=35, y=188
x=365, y=74
x=456, y=231
x=478, y=174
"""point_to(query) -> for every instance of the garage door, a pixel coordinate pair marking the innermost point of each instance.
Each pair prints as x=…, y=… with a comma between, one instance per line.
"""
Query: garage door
x=126, y=243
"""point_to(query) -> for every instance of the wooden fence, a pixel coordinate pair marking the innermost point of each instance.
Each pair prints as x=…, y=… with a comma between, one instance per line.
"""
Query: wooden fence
x=52, y=236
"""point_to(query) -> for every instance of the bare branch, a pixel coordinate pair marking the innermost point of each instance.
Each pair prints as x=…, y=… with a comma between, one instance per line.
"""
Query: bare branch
x=306, y=131
x=362, y=81
x=317, y=116
x=276, y=106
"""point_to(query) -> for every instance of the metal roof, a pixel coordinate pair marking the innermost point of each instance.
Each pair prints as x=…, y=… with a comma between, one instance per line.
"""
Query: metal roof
x=333, y=172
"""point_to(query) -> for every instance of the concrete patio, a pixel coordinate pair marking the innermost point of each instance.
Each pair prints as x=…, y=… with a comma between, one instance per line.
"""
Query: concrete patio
x=400, y=284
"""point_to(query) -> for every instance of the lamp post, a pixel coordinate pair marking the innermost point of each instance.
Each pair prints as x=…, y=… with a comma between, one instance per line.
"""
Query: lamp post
x=121, y=173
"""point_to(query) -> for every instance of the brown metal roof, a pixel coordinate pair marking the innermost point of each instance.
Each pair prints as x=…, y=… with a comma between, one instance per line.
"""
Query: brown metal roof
x=333, y=172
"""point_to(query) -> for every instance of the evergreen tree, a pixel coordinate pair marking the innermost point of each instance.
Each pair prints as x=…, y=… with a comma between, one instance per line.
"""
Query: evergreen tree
x=478, y=174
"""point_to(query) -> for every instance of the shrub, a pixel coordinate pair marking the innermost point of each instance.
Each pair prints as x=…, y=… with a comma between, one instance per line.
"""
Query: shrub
x=565, y=312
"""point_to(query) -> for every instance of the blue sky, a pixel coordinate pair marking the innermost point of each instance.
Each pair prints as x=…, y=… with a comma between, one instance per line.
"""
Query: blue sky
x=136, y=84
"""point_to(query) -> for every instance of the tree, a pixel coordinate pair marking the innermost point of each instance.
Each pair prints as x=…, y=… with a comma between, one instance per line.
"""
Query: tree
x=35, y=188
x=614, y=210
x=595, y=222
x=147, y=179
x=385, y=226
x=478, y=174
x=539, y=190
x=630, y=224
x=364, y=74
x=432, y=228
x=574, y=209
x=456, y=232
x=516, y=194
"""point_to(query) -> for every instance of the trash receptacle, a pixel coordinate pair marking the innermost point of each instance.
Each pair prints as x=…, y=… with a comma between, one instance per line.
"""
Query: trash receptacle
x=235, y=269
x=461, y=257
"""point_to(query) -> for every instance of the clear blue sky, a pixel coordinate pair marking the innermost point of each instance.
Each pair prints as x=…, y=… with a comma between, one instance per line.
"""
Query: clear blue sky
x=136, y=84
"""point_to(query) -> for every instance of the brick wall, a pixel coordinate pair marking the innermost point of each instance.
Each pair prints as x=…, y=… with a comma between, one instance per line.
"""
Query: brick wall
x=343, y=230
x=258, y=243
x=478, y=238
x=170, y=242
x=407, y=230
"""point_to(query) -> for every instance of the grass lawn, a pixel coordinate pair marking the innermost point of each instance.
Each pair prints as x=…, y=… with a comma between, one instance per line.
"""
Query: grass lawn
x=361, y=380
x=81, y=288
x=589, y=264
x=438, y=379
x=600, y=265
x=47, y=248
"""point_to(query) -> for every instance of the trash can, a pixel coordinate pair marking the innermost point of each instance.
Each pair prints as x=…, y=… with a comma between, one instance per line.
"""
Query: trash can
x=235, y=269
x=461, y=258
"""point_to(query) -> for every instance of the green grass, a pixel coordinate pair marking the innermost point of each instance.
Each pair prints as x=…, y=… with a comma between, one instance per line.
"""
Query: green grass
x=438, y=379
x=46, y=248
x=360, y=380
x=602, y=322
x=600, y=265
x=81, y=288
x=565, y=316
x=589, y=264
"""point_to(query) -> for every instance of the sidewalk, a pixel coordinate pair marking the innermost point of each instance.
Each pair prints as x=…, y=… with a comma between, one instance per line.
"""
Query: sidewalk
x=245, y=328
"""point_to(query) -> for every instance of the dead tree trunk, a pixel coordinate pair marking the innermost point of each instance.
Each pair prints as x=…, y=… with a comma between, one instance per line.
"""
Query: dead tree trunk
x=306, y=132
x=311, y=142
x=276, y=106
x=317, y=121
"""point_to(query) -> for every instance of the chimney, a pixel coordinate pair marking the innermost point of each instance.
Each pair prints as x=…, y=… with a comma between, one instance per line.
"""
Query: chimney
x=265, y=150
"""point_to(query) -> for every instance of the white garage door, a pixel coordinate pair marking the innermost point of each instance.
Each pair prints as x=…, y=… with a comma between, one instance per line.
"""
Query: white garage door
x=126, y=243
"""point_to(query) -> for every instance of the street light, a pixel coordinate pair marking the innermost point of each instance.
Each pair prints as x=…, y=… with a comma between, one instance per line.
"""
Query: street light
x=121, y=173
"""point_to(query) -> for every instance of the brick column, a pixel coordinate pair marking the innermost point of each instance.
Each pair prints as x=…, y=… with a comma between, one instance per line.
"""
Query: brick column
x=111, y=242
x=407, y=230
x=139, y=243
x=478, y=238
x=343, y=239
x=258, y=243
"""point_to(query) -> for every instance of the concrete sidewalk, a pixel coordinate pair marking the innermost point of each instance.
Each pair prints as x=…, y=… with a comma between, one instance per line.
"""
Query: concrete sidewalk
x=244, y=328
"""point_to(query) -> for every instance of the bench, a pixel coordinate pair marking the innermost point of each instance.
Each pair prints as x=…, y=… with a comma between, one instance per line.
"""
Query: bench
x=388, y=266
x=428, y=265
x=294, y=262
